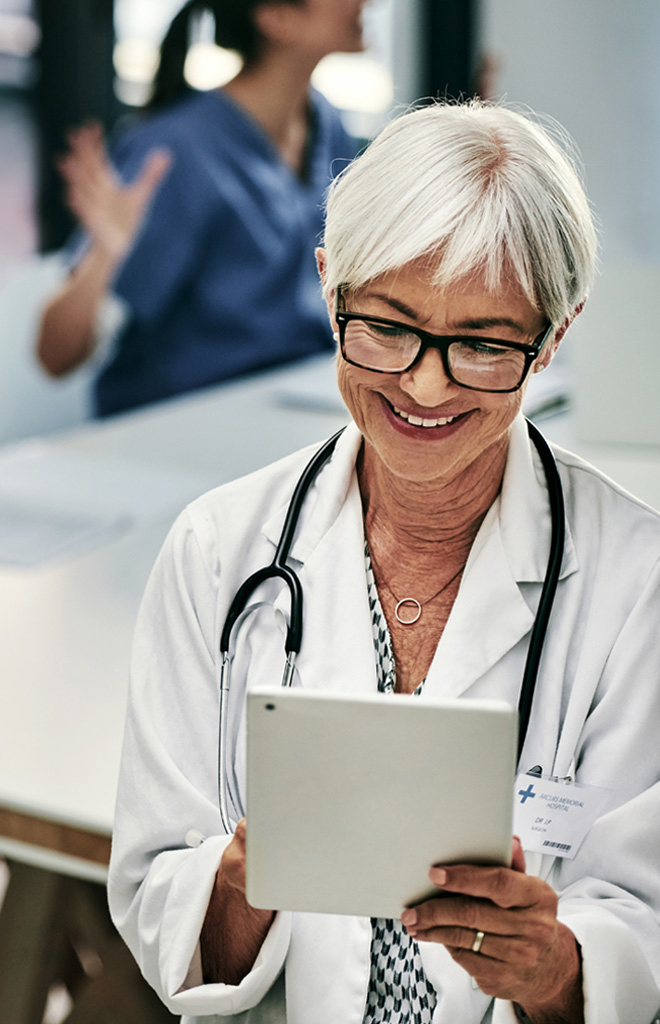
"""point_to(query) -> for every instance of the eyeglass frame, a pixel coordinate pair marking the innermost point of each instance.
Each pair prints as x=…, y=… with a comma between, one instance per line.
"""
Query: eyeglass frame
x=441, y=342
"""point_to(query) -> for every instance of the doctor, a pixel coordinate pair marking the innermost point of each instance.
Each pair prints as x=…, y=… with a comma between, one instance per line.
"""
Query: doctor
x=458, y=249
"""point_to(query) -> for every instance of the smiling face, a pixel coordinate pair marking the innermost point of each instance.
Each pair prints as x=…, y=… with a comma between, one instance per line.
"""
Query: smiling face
x=419, y=425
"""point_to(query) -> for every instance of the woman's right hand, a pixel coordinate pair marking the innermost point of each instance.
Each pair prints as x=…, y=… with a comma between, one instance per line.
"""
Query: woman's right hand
x=110, y=211
x=232, y=864
x=233, y=931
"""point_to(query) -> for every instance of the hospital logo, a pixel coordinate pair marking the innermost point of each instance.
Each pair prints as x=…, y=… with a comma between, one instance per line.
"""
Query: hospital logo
x=525, y=793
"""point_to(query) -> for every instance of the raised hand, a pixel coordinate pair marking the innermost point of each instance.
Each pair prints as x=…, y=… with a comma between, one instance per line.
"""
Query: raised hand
x=233, y=931
x=109, y=210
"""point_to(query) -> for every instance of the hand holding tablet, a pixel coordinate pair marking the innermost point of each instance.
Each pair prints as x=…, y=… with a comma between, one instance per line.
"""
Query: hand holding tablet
x=352, y=798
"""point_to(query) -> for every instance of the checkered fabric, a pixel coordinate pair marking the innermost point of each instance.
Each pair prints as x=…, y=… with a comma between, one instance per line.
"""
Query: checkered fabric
x=399, y=992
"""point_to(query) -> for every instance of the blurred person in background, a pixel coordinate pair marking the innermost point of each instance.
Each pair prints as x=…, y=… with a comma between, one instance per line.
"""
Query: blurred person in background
x=198, y=259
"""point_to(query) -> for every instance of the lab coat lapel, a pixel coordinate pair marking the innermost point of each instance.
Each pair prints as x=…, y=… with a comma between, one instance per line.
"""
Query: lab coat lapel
x=491, y=615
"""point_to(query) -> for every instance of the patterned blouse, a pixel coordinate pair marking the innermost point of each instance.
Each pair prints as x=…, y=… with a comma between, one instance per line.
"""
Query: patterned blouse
x=399, y=992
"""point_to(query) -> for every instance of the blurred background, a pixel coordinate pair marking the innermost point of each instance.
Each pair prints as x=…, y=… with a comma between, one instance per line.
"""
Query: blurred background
x=594, y=66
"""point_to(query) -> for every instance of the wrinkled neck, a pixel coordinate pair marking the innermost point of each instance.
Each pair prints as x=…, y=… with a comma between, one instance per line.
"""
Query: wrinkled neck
x=417, y=516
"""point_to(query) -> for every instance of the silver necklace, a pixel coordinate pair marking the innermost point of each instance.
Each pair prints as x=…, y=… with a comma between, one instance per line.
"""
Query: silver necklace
x=411, y=603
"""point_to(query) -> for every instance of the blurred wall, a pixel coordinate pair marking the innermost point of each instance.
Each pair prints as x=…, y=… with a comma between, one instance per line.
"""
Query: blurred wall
x=594, y=65
x=74, y=83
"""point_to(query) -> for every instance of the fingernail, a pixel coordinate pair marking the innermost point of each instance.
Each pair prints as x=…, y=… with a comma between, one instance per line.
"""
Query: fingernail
x=438, y=876
x=409, y=917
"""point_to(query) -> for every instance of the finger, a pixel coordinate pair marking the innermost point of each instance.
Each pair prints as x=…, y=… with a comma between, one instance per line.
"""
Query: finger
x=154, y=169
x=505, y=949
x=90, y=129
x=518, y=856
x=503, y=886
x=232, y=861
x=499, y=947
x=467, y=915
x=83, y=138
x=75, y=167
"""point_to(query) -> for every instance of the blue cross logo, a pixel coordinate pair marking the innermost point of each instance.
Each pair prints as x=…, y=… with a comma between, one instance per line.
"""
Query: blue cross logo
x=524, y=793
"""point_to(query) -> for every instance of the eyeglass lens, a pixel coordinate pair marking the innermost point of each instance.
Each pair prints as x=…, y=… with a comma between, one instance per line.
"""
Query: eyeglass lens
x=473, y=362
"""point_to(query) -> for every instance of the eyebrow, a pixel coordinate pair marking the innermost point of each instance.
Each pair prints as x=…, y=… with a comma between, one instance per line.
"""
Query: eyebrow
x=477, y=323
x=483, y=322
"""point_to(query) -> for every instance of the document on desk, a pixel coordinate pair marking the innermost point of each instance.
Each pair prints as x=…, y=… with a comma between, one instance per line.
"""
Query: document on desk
x=57, y=503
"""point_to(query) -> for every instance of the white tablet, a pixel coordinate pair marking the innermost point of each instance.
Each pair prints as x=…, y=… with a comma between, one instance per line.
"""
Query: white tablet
x=352, y=798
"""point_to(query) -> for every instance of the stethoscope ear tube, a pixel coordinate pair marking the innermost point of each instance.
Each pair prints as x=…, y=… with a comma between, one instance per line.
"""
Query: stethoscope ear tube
x=299, y=494
x=556, y=500
x=278, y=567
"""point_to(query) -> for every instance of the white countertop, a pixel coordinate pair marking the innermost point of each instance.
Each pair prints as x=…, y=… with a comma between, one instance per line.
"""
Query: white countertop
x=66, y=627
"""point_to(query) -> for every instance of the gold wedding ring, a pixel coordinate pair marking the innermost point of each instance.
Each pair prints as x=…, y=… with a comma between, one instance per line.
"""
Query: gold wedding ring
x=478, y=939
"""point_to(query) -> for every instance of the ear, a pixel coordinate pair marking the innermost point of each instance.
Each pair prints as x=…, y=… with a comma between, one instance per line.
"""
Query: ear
x=321, y=264
x=329, y=296
x=550, y=350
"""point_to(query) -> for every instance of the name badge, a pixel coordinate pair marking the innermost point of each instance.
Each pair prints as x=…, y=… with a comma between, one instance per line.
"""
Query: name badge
x=553, y=816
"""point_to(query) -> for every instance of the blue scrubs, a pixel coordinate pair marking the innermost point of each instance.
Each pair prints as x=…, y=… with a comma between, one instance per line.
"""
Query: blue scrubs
x=221, y=280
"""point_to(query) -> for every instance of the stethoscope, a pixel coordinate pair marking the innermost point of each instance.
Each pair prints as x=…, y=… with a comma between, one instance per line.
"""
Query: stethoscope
x=278, y=569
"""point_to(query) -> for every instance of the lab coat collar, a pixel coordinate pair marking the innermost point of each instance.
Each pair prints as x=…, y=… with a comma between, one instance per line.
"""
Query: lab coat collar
x=326, y=497
x=521, y=512
x=524, y=512
x=491, y=614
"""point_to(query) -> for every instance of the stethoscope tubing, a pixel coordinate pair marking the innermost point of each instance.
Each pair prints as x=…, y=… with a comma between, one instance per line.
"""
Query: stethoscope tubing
x=276, y=570
x=293, y=642
x=549, y=589
x=278, y=567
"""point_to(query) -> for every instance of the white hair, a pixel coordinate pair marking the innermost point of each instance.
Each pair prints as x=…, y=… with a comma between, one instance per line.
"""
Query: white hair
x=469, y=187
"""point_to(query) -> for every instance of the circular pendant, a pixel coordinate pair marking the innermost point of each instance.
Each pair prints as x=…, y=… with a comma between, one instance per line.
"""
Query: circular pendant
x=415, y=611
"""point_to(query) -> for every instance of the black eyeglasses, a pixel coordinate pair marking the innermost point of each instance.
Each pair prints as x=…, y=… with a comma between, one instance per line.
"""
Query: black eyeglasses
x=389, y=346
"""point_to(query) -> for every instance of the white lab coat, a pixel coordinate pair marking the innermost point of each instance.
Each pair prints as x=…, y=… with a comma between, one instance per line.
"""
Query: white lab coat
x=597, y=705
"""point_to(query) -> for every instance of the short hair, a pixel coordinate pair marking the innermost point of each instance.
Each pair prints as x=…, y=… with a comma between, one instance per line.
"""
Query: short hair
x=468, y=187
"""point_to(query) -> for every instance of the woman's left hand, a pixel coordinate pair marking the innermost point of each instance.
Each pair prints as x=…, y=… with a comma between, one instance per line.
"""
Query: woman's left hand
x=526, y=956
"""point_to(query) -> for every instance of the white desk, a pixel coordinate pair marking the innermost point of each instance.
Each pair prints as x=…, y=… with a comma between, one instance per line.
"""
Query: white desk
x=65, y=630
x=65, y=638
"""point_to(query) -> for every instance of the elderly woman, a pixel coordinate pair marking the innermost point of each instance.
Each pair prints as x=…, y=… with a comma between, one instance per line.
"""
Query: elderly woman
x=458, y=249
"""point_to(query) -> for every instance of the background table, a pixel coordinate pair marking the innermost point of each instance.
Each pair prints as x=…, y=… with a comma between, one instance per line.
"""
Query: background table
x=65, y=637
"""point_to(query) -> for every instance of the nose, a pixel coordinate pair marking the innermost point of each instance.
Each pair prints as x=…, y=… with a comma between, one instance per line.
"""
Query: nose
x=427, y=382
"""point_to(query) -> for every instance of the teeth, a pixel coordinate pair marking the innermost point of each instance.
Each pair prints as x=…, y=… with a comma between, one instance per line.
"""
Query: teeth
x=417, y=421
